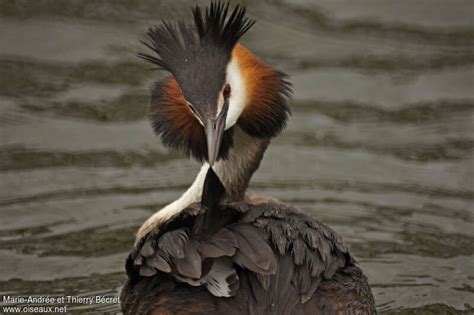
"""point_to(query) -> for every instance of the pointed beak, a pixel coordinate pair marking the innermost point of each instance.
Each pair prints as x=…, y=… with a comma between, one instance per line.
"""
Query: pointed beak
x=215, y=128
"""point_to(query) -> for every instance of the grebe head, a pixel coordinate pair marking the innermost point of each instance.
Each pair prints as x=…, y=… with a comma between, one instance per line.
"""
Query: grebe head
x=214, y=84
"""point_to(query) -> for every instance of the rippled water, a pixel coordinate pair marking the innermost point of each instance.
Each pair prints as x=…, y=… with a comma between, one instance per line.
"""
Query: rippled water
x=380, y=145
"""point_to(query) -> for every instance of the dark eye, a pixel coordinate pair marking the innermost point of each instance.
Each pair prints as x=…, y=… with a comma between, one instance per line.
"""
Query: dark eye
x=227, y=90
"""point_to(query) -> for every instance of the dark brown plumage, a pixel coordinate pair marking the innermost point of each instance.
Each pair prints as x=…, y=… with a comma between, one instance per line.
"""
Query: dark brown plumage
x=282, y=262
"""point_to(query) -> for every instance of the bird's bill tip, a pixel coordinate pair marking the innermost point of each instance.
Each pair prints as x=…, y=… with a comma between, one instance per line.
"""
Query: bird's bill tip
x=214, y=137
x=215, y=128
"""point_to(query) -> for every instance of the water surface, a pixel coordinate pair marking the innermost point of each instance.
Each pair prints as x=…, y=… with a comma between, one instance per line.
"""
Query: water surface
x=380, y=144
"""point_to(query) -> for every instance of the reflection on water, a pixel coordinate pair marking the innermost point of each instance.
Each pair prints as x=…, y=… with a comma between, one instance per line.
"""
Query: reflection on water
x=382, y=130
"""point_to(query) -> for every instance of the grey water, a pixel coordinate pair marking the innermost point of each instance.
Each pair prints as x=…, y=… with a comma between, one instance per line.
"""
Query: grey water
x=380, y=144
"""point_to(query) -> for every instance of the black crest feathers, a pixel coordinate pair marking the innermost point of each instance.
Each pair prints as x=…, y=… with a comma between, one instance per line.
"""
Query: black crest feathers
x=215, y=28
x=214, y=31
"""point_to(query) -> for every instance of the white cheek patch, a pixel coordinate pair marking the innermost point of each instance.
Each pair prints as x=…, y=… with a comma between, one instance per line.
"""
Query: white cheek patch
x=238, y=95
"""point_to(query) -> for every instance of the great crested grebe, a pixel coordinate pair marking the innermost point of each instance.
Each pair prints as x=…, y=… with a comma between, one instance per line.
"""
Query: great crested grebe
x=215, y=249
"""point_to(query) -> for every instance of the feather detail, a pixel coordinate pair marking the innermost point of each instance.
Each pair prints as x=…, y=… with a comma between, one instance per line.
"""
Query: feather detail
x=173, y=243
x=222, y=280
x=286, y=253
x=190, y=265
x=173, y=44
x=253, y=251
x=268, y=94
x=157, y=261
x=223, y=243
